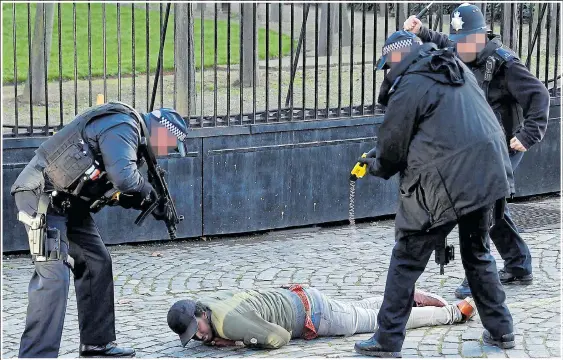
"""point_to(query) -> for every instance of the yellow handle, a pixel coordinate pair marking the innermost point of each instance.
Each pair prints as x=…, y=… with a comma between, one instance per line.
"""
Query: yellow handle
x=359, y=170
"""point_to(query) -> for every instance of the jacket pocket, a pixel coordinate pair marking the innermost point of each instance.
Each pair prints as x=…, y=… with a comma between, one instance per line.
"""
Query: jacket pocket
x=437, y=198
x=414, y=213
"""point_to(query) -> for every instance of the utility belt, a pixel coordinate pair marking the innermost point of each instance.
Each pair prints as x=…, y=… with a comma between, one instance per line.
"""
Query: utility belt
x=45, y=242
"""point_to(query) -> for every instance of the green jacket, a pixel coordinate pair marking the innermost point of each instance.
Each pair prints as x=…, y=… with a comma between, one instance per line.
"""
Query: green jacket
x=261, y=318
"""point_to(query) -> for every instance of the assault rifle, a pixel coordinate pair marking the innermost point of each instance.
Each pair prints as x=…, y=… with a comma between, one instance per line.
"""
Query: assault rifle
x=155, y=172
x=156, y=178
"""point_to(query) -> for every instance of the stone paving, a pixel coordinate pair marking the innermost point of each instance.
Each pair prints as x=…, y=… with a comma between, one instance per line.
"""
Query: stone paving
x=344, y=262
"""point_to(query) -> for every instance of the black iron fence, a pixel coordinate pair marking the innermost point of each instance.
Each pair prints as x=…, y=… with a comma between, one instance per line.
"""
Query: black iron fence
x=226, y=64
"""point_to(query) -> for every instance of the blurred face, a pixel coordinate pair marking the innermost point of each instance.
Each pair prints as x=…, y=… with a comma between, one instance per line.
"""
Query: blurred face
x=162, y=140
x=204, y=332
x=470, y=46
x=397, y=56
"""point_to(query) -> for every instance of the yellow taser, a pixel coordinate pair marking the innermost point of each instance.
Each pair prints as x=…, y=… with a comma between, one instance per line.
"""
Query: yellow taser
x=359, y=170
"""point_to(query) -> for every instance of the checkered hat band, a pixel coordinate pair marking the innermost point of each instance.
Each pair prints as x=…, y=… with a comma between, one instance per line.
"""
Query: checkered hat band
x=172, y=128
x=396, y=46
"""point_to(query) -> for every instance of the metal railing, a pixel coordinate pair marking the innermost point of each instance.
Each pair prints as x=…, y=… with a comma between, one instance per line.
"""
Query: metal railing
x=226, y=64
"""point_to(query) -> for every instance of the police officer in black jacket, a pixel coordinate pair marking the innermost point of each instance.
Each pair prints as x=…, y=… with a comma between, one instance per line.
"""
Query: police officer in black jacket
x=521, y=104
x=97, y=154
x=443, y=139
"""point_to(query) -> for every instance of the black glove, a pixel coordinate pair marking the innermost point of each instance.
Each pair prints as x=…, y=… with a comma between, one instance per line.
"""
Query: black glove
x=160, y=212
x=369, y=160
x=131, y=200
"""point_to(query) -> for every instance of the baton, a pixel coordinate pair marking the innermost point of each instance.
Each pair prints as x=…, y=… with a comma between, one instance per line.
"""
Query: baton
x=424, y=11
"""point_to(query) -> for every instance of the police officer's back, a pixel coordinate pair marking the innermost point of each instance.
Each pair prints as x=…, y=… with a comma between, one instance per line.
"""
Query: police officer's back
x=521, y=104
x=93, y=160
x=443, y=139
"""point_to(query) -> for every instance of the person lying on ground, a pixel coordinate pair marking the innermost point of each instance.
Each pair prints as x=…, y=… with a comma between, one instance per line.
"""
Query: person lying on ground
x=270, y=318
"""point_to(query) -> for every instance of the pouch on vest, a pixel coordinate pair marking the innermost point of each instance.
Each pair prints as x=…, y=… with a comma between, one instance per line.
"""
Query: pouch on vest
x=66, y=161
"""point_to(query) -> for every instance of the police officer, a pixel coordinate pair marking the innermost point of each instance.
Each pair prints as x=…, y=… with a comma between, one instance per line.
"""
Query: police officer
x=443, y=139
x=96, y=154
x=521, y=104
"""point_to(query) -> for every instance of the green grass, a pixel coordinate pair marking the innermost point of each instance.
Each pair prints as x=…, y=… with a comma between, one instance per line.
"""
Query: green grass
x=67, y=42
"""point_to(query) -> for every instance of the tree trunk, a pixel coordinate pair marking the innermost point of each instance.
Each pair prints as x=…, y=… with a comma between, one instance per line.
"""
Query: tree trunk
x=40, y=46
x=185, y=60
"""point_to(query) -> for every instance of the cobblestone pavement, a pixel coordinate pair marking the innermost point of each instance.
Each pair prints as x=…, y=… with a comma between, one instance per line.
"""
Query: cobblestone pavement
x=343, y=262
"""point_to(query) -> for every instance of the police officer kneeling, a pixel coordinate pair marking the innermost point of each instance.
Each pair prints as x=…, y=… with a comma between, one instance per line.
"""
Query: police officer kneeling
x=443, y=139
x=97, y=154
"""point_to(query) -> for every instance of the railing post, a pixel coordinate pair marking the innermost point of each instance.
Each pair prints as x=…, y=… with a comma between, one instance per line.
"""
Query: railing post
x=553, y=28
x=42, y=38
x=185, y=59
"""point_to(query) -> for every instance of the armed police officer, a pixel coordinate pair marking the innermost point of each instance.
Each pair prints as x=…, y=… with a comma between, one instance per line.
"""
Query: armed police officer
x=443, y=139
x=519, y=101
x=93, y=161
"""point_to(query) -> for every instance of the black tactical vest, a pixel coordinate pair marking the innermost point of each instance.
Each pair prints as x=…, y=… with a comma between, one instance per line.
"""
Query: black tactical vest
x=67, y=153
x=490, y=76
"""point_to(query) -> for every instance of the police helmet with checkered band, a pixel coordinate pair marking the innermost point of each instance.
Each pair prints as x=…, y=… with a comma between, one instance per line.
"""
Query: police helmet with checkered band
x=171, y=120
x=396, y=41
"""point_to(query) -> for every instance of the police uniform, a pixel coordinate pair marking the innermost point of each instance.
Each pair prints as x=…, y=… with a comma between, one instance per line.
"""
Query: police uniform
x=96, y=154
x=449, y=152
x=521, y=104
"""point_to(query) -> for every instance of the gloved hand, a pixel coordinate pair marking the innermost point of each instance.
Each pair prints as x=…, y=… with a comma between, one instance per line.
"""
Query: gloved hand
x=160, y=212
x=131, y=200
x=369, y=160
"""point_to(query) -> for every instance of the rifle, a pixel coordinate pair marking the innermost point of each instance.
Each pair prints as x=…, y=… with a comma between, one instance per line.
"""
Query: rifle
x=155, y=172
x=156, y=179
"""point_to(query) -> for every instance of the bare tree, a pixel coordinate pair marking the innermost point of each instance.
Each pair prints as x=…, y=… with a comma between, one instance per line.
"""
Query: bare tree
x=40, y=53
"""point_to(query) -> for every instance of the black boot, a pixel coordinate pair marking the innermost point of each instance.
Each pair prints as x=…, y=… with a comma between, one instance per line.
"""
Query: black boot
x=463, y=291
x=506, y=277
x=504, y=342
x=108, y=350
x=372, y=348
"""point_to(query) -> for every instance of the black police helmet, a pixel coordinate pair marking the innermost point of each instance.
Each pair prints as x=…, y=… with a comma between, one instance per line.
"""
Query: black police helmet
x=465, y=20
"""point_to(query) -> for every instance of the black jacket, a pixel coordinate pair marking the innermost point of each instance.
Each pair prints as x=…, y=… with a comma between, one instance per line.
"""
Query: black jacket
x=442, y=137
x=520, y=101
x=114, y=139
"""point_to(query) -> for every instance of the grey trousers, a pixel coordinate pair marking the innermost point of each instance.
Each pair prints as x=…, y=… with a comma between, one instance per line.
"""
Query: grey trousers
x=343, y=318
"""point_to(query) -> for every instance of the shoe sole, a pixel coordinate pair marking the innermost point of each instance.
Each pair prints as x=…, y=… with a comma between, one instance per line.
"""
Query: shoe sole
x=461, y=296
x=106, y=356
x=381, y=354
x=500, y=344
x=517, y=282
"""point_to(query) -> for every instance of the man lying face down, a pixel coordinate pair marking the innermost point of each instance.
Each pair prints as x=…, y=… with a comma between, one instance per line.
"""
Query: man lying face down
x=270, y=318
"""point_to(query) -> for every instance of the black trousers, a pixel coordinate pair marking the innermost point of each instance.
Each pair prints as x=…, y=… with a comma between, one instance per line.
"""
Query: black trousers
x=48, y=288
x=408, y=261
x=510, y=245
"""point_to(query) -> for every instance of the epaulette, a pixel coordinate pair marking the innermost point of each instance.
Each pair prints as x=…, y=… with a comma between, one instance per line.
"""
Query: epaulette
x=506, y=54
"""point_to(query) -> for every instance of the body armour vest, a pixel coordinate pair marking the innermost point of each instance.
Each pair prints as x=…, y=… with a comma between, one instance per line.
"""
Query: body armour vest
x=67, y=154
x=490, y=75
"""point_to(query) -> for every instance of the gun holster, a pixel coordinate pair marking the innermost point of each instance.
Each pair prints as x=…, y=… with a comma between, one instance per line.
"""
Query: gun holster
x=44, y=242
x=500, y=206
x=443, y=254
